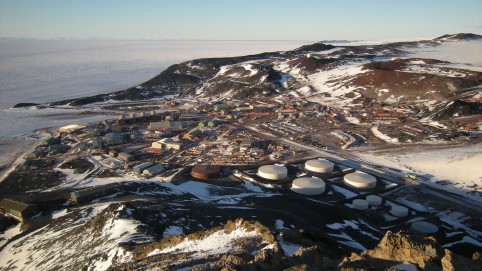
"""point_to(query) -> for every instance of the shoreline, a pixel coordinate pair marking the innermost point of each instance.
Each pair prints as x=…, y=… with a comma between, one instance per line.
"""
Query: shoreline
x=10, y=162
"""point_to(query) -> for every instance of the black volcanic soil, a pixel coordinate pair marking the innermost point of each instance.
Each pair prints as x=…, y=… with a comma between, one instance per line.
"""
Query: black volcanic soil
x=460, y=108
x=311, y=64
x=315, y=47
x=397, y=64
x=460, y=36
x=19, y=182
x=79, y=165
x=410, y=85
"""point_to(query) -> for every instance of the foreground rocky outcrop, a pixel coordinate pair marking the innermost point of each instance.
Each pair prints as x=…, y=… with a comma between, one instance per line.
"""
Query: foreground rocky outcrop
x=401, y=251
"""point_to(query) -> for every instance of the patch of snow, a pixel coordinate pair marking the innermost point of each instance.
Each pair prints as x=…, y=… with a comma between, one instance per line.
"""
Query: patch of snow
x=213, y=193
x=348, y=241
x=405, y=266
x=383, y=136
x=252, y=187
x=330, y=81
x=348, y=194
x=305, y=91
x=288, y=248
x=436, y=124
x=466, y=239
x=352, y=119
x=280, y=224
x=9, y=234
x=60, y=213
x=433, y=70
x=172, y=230
x=250, y=68
x=218, y=242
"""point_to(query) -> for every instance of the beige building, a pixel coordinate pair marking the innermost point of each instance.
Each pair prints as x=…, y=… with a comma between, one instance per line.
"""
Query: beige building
x=167, y=143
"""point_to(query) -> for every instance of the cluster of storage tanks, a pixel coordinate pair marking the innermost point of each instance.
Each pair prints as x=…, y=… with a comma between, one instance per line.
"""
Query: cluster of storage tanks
x=376, y=201
x=313, y=185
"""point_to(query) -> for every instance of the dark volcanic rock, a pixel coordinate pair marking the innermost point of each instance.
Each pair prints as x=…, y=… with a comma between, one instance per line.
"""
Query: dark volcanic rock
x=457, y=37
x=171, y=77
x=19, y=105
x=82, y=101
x=454, y=262
x=459, y=108
x=315, y=47
x=311, y=64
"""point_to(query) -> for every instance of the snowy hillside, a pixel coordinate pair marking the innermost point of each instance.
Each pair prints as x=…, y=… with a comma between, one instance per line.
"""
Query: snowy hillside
x=89, y=237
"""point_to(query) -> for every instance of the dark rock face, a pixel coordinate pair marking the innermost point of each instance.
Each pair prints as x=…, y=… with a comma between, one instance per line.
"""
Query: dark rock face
x=19, y=105
x=460, y=36
x=454, y=262
x=315, y=47
x=459, y=108
x=208, y=77
x=311, y=64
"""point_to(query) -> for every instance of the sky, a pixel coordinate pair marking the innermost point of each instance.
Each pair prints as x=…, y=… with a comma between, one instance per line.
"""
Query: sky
x=239, y=19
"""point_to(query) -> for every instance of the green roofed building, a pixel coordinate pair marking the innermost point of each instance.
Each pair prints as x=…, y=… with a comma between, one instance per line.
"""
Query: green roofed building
x=203, y=124
x=213, y=123
x=91, y=193
x=52, y=141
x=218, y=107
x=19, y=210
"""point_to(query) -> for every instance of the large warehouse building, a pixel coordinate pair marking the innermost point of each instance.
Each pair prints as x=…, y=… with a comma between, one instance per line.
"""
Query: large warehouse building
x=308, y=186
x=360, y=180
x=273, y=172
x=319, y=166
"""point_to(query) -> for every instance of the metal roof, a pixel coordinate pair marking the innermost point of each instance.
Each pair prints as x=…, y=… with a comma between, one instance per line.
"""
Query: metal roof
x=14, y=205
x=92, y=190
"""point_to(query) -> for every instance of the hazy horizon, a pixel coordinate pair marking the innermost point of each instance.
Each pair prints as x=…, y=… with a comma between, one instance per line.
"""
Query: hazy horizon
x=238, y=20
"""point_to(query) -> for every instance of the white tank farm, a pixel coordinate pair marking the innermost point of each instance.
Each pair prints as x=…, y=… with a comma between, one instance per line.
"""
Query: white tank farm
x=308, y=186
x=374, y=200
x=273, y=172
x=399, y=211
x=360, y=180
x=423, y=227
x=360, y=204
x=319, y=166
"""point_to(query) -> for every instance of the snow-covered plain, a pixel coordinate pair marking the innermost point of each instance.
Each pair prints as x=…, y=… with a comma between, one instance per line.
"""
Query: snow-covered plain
x=464, y=54
x=456, y=169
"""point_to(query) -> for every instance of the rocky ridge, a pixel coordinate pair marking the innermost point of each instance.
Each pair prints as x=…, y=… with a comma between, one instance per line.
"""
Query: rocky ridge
x=340, y=75
x=109, y=238
x=400, y=251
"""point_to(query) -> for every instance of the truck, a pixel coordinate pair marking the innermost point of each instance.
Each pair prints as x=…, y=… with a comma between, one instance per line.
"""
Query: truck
x=411, y=176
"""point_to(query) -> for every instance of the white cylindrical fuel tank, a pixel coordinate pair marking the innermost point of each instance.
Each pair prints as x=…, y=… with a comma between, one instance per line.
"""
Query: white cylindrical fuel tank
x=308, y=186
x=360, y=204
x=360, y=180
x=423, y=227
x=374, y=200
x=273, y=172
x=399, y=211
x=319, y=166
